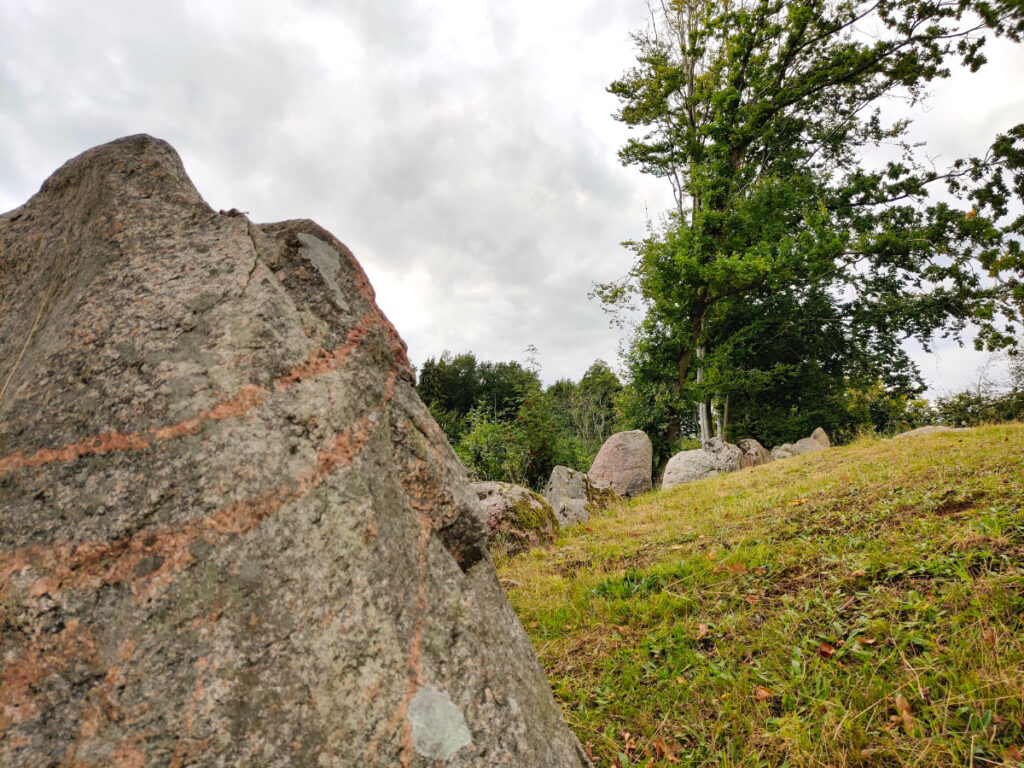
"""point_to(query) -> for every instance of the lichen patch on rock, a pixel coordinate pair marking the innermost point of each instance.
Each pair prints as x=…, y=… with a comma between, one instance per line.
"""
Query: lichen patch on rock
x=438, y=727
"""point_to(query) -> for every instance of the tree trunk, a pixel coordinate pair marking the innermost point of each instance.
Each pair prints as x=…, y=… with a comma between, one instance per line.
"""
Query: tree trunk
x=704, y=407
x=723, y=421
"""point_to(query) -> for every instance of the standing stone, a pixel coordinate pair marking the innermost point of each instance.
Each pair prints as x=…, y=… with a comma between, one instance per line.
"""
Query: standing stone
x=231, y=534
x=821, y=436
x=624, y=464
x=517, y=519
x=753, y=453
x=818, y=441
x=573, y=497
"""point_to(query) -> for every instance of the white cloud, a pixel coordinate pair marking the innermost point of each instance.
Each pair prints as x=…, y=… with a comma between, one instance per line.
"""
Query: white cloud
x=464, y=149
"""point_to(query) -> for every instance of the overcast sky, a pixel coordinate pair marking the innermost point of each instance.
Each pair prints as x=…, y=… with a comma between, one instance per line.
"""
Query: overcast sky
x=463, y=149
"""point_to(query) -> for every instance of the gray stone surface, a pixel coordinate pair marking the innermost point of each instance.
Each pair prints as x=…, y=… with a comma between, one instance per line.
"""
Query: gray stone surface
x=932, y=429
x=818, y=441
x=753, y=454
x=716, y=457
x=784, y=451
x=687, y=466
x=517, y=519
x=231, y=532
x=573, y=497
x=728, y=456
x=624, y=464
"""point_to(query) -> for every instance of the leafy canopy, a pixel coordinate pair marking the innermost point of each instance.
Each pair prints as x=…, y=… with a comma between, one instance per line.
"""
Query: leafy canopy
x=762, y=115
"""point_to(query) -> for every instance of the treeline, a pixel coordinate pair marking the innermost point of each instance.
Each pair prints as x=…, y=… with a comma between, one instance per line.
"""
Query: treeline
x=989, y=401
x=505, y=425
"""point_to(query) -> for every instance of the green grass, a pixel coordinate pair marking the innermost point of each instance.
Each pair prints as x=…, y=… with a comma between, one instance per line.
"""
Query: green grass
x=788, y=615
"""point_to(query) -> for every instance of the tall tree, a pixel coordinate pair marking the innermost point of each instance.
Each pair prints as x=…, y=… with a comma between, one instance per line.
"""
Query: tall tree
x=759, y=113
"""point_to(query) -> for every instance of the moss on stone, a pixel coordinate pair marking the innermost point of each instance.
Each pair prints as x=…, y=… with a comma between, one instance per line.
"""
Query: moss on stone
x=529, y=522
x=600, y=498
x=531, y=517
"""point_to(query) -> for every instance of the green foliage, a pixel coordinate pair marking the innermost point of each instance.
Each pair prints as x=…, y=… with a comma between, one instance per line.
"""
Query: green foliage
x=971, y=408
x=505, y=426
x=453, y=385
x=585, y=413
x=536, y=420
x=788, y=264
x=650, y=407
x=492, y=449
x=872, y=408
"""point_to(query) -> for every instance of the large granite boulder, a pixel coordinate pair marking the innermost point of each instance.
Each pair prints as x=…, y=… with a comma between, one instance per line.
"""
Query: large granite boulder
x=573, y=497
x=752, y=453
x=716, y=457
x=624, y=464
x=231, y=534
x=517, y=519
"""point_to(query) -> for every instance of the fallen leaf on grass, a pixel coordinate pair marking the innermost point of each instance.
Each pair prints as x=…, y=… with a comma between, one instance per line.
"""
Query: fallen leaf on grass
x=797, y=502
x=858, y=573
x=737, y=567
x=702, y=631
x=628, y=743
x=1013, y=755
x=826, y=650
x=753, y=599
x=868, y=640
x=904, y=709
x=666, y=751
x=763, y=694
x=990, y=637
x=589, y=749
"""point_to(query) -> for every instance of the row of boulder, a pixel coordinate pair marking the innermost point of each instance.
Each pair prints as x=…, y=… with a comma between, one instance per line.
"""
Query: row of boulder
x=718, y=456
x=519, y=519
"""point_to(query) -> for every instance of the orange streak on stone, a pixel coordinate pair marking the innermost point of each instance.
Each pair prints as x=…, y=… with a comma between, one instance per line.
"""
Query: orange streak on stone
x=246, y=399
x=103, y=443
x=91, y=564
x=33, y=664
x=321, y=361
x=243, y=401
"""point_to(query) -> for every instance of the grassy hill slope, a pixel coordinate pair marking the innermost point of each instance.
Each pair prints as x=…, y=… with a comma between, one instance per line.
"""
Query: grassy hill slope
x=863, y=606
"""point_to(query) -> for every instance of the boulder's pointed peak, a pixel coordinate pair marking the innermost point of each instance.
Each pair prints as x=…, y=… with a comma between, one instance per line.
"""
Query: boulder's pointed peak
x=141, y=164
